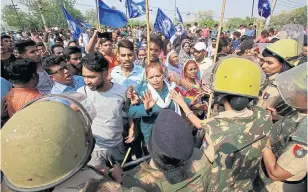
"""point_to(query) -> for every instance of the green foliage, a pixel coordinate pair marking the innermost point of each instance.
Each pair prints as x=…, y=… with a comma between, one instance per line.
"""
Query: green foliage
x=235, y=22
x=52, y=12
x=206, y=18
x=91, y=17
x=133, y=22
x=296, y=16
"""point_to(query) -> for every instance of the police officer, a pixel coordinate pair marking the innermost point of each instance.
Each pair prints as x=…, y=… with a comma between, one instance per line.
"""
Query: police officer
x=285, y=155
x=175, y=164
x=276, y=60
x=46, y=145
x=234, y=139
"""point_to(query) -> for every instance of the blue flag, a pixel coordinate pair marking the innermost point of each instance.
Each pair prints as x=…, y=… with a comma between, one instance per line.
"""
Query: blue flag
x=111, y=17
x=179, y=15
x=164, y=24
x=82, y=24
x=72, y=24
x=264, y=8
x=135, y=9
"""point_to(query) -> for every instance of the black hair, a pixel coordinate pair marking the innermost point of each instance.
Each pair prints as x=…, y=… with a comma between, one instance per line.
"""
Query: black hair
x=271, y=30
x=21, y=71
x=216, y=25
x=5, y=36
x=237, y=34
x=40, y=44
x=73, y=41
x=250, y=24
x=264, y=32
x=223, y=43
x=58, y=38
x=198, y=30
x=268, y=53
x=126, y=44
x=157, y=41
x=54, y=46
x=68, y=51
x=195, y=23
x=21, y=45
x=95, y=62
x=51, y=61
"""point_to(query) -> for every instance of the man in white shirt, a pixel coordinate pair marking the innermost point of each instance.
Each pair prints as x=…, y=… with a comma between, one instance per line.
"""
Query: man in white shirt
x=109, y=101
x=200, y=56
x=242, y=30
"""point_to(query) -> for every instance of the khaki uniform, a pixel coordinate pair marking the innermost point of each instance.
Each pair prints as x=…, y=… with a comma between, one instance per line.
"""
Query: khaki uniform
x=269, y=93
x=148, y=177
x=291, y=153
x=233, y=143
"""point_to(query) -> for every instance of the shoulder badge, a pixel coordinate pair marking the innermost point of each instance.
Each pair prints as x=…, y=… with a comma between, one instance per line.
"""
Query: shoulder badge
x=299, y=152
x=266, y=95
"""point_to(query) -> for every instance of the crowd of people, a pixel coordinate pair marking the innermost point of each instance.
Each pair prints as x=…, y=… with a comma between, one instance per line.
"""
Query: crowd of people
x=239, y=124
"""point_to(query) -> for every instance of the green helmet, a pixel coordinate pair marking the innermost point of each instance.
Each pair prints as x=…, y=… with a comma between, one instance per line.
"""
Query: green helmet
x=285, y=49
x=43, y=145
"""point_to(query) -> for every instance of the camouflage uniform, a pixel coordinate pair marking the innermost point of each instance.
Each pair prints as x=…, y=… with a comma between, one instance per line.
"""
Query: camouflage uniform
x=234, y=145
x=88, y=180
x=288, y=135
x=151, y=179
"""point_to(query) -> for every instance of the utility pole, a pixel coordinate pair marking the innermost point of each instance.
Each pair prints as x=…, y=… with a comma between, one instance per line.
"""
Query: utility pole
x=15, y=9
x=253, y=4
x=175, y=10
x=39, y=2
x=268, y=20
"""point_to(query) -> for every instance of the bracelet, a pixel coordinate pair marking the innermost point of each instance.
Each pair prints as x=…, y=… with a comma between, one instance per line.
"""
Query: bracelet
x=190, y=112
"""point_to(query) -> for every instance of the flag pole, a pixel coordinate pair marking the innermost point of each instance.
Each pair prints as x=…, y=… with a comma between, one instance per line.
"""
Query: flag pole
x=98, y=17
x=148, y=30
x=222, y=15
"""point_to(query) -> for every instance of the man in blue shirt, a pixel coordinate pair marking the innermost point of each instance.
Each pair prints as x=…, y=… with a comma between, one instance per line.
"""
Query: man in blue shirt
x=236, y=41
x=61, y=73
x=215, y=31
x=127, y=73
x=250, y=31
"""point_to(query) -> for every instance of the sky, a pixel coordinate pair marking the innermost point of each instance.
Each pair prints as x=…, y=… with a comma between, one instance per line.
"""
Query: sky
x=234, y=8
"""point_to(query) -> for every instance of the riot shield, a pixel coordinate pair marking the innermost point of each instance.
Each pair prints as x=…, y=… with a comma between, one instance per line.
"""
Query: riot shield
x=292, y=85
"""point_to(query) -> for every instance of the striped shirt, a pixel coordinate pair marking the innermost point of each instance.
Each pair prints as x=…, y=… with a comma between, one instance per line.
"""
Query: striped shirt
x=45, y=83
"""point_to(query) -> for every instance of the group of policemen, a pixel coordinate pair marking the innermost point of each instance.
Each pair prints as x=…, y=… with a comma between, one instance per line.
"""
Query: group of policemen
x=258, y=142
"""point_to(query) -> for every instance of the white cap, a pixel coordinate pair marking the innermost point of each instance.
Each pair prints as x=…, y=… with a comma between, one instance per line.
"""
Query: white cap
x=200, y=46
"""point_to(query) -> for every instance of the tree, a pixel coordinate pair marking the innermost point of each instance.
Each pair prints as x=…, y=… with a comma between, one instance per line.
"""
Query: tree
x=52, y=11
x=235, y=22
x=24, y=20
x=296, y=16
x=91, y=17
x=206, y=18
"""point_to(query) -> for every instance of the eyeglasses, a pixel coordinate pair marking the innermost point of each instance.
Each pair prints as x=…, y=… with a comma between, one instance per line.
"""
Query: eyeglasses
x=60, y=71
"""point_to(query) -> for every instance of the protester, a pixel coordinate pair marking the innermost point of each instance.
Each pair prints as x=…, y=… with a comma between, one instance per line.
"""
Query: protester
x=61, y=73
x=109, y=100
x=6, y=39
x=127, y=73
x=42, y=49
x=73, y=57
x=263, y=38
x=242, y=30
x=214, y=33
x=155, y=94
x=199, y=53
x=105, y=45
x=6, y=57
x=236, y=41
x=250, y=31
x=192, y=76
x=174, y=67
x=57, y=49
x=184, y=54
x=23, y=75
x=27, y=50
